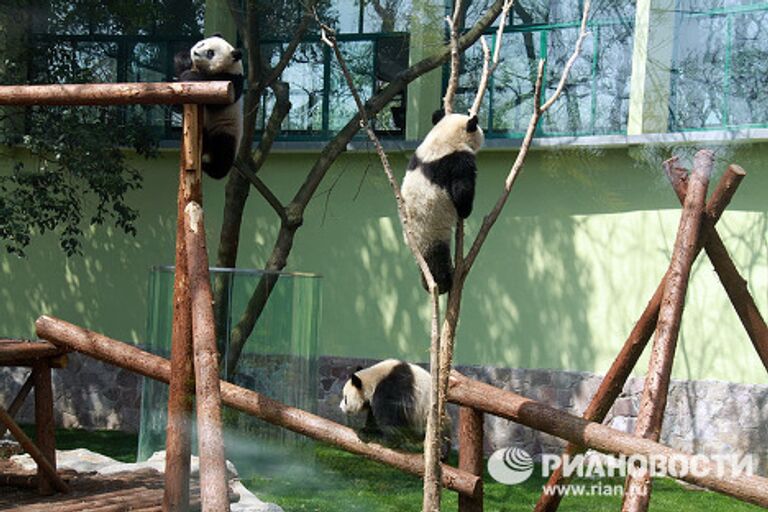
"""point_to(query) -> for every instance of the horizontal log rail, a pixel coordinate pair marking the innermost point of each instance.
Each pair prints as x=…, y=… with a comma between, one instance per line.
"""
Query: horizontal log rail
x=155, y=367
x=14, y=351
x=134, y=93
x=506, y=404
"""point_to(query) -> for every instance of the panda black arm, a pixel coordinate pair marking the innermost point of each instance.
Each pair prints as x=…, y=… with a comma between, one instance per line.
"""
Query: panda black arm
x=462, y=187
x=191, y=75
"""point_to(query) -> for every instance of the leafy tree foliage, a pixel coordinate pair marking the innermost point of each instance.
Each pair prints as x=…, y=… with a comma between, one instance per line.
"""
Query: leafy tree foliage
x=74, y=172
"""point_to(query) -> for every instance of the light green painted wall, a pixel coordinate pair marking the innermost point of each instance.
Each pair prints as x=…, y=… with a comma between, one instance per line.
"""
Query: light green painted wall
x=563, y=277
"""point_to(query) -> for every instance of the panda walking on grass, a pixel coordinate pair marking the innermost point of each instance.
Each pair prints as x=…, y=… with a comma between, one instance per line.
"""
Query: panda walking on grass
x=439, y=188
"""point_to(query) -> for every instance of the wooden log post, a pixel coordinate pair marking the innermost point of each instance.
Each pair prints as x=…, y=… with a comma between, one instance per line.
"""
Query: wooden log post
x=633, y=347
x=506, y=404
x=213, y=470
x=307, y=424
x=44, y=466
x=637, y=491
x=133, y=93
x=44, y=423
x=182, y=379
x=733, y=283
x=471, y=455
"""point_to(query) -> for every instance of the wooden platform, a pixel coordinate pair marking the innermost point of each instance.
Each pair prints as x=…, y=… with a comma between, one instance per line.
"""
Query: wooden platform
x=139, y=491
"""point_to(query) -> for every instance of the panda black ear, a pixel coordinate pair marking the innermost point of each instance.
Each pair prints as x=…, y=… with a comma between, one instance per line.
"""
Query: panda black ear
x=357, y=382
x=358, y=369
x=217, y=34
x=237, y=55
x=472, y=124
x=437, y=115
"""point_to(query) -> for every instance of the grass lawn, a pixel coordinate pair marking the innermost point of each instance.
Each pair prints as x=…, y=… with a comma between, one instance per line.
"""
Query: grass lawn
x=365, y=486
x=338, y=481
x=118, y=445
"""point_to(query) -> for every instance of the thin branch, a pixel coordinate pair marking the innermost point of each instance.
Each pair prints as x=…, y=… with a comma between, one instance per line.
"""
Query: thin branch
x=490, y=219
x=328, y=37
x=453, y=80
x=289, y=50
x=433, y=441
x=247, y=168
x=489, y=68
x=572, y=60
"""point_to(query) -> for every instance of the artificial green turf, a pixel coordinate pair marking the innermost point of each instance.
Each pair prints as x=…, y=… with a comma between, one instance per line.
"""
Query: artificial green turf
x=348, y=483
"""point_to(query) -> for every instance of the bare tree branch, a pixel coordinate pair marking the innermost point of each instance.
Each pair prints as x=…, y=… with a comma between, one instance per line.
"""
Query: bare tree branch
x=453, y=80
x=246, y=167
x=491, y=218
x=489, y=68
x=432, y=447
x=572, y=60
x=295, y=208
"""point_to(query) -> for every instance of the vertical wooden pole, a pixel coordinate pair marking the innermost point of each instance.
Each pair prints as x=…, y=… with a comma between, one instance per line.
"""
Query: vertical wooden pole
x=637, y=493
x=471, y=455
x=44, y=425
x=181, y=390
x=213, y=472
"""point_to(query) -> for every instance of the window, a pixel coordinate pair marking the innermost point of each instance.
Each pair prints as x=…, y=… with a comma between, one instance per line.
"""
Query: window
x=719, y=70
x=372, y=36
x=95, y=41
x=596, y=97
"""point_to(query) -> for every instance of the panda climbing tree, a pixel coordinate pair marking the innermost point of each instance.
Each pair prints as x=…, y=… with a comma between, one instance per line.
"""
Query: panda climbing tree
x=437, y=194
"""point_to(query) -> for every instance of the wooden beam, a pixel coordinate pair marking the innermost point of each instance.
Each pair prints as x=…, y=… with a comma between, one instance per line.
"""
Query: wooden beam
x=31, y=448
x=506, y=404
x=44, y=423
x=213, y=470
x=637, y=490
x=735, y=285
x=14, y=351
x=155, y=367
x=633, y=347
x=182, y=380
x=471, y=454
x=18, y=401
x=133, y=93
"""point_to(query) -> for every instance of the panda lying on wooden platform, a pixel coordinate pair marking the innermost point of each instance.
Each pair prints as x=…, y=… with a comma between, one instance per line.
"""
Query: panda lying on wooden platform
x=395, y=396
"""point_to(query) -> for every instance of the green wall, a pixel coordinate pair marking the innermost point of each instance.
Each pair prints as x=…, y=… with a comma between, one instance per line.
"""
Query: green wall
x=579, y=250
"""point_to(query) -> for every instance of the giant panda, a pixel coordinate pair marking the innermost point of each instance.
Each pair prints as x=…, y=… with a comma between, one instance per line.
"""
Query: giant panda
x=439, y=188
x=395, y=397
x=214, y=58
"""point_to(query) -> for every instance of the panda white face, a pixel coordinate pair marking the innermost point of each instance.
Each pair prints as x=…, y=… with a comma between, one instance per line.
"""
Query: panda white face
x=215, y=55
x=352, y=399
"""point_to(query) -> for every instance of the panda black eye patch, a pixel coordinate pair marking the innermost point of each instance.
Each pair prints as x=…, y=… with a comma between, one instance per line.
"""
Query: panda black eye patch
x=209, y=54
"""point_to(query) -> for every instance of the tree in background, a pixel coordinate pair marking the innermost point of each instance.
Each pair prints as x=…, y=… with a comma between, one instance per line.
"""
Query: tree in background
x=263, y=76
x=76, y=173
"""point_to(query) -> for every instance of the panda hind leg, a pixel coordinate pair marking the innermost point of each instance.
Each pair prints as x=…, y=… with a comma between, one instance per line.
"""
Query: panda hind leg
x=219, y=150
x=438, y=258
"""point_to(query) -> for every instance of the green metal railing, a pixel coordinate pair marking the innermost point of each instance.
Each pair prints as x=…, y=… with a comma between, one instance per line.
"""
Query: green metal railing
x=110, y=58
x=719, y=86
